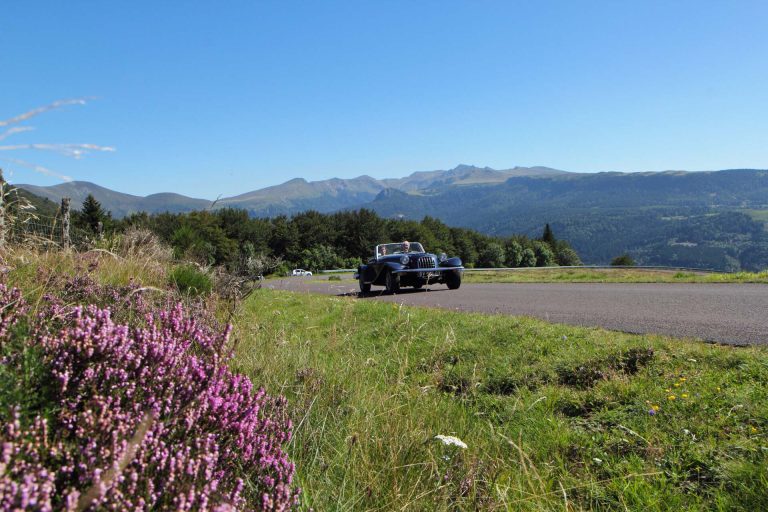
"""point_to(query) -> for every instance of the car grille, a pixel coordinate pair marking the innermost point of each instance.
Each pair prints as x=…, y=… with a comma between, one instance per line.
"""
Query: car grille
x=425, y=262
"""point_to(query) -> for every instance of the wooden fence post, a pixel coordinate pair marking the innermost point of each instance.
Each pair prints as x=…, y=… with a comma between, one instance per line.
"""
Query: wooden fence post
x=66, y=241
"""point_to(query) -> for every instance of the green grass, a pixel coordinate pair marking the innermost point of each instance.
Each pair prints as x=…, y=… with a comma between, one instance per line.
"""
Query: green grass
x=611, y=276
x=554, y=417
x=32, y=271
x=758, y=215
x=189, y=280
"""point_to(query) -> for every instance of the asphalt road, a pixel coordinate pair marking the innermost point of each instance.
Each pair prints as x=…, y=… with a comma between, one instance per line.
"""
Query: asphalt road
x=723, y=313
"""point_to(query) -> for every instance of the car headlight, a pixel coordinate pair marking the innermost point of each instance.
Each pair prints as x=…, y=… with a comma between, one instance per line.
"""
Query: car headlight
x=443, y=257
x=404, y=259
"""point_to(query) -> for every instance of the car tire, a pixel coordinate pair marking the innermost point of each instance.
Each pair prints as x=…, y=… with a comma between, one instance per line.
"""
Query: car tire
x=392, y=282
x=453, y=280
x=364, y=287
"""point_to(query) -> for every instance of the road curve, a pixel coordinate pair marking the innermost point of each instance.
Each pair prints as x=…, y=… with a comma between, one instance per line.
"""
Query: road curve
x=735, y=314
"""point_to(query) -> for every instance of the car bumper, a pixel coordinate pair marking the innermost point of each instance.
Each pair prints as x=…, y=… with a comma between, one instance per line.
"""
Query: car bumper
x=432, y=271
x=437, y=270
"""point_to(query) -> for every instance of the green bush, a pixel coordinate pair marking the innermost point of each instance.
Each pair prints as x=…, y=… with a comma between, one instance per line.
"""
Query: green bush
x=334, y=278
x=566, y=256
x=625, y=260
x=188, y=279
x=528, y=258
x=544, y=255
x=492, y=255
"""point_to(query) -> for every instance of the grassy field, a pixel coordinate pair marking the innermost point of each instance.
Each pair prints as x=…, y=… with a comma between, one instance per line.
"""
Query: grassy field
x=758, y=215
x=611, y=276
x=554, y=417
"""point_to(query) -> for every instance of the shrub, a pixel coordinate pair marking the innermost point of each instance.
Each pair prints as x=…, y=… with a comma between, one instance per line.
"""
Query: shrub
x=514, y=253
x=492, y=255
x=544, y=255
x=565, y=255
x=528, y=258
x=191, y=281
x=625, y=260
x=145, y=418
x=142, y=243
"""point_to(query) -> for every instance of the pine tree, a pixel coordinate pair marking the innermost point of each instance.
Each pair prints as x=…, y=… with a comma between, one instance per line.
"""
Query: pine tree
x=92, y=213
x=548, y=236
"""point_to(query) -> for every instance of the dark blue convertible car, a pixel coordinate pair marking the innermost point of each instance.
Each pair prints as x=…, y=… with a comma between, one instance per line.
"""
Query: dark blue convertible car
x=407, y=264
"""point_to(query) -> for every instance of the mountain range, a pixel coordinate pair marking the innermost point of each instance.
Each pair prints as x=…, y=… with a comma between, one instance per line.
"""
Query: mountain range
x=714, y=219
x=292, y=196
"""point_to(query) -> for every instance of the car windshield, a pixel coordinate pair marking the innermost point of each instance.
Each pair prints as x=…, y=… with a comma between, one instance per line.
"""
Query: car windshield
x=385, y=249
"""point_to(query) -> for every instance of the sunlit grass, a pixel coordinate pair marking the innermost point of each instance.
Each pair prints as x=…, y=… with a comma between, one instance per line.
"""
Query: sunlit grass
x=554, y=417
x=31, y=270
x=571, y=275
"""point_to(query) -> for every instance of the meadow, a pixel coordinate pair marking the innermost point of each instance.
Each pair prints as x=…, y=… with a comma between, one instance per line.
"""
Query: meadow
x=553, y=417
x=617, y=275
x=401, y=408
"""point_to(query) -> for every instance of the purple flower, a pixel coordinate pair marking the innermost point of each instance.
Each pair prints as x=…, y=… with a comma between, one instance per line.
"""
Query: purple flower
x=149, y=416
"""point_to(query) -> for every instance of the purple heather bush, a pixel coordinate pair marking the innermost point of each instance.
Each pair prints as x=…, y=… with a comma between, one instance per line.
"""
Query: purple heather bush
x=143, y=417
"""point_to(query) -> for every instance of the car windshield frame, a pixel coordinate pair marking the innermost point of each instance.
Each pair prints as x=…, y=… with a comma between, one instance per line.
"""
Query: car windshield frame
x=397, y=248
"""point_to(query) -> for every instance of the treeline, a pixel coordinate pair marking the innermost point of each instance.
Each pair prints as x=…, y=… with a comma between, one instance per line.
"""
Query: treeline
x=689, y=237
x=318, y=241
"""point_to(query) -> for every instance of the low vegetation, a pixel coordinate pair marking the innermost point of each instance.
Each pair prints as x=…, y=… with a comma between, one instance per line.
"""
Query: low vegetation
x=116, y=392
x=587, y=275
x=366, y=405
x=552, y=416
x=189, y=280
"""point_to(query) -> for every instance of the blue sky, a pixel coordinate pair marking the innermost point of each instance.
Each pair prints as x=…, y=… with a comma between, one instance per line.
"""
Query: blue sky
x=210, y=98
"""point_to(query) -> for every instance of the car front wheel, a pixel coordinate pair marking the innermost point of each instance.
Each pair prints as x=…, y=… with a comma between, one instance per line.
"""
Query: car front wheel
x=453, y=280
x=392, y=282
x=364, y=287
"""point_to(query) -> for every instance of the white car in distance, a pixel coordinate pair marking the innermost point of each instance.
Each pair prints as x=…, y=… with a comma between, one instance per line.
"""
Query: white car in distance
x=301, y=272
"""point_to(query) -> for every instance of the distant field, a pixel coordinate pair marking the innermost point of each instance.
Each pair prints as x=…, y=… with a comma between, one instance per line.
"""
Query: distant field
x=553, y=417
x=611, y=276
x=758, y=215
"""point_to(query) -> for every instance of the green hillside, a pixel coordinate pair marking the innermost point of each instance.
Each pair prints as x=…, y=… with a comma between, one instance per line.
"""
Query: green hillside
x=672, y=218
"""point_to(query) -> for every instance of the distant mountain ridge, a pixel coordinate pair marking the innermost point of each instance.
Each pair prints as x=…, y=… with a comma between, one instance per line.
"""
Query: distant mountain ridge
x=119, y=203
x=293, y=196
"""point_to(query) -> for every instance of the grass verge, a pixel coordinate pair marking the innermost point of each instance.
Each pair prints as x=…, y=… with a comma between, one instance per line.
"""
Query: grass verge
x=611, y=276
x=555, y=417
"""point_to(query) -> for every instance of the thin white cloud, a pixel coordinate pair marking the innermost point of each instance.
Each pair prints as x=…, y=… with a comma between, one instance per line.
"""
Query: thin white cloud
x=40, y=110
x=73, y=150
x=16, y=129
x=76, y=151
x=37, y=168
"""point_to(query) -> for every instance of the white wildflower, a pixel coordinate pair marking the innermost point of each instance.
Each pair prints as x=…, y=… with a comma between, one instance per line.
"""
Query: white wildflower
x=451, y=441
